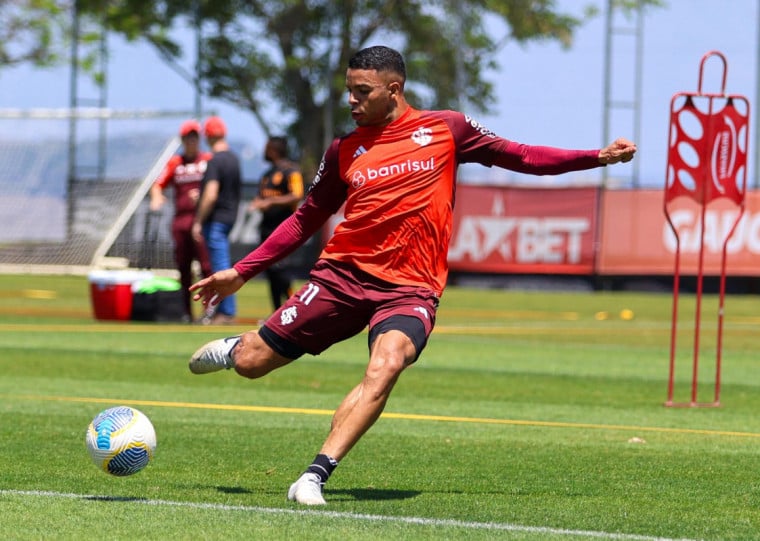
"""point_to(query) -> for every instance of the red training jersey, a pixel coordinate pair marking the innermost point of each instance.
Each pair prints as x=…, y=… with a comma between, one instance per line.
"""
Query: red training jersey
x=185, y=176
x=398, y=185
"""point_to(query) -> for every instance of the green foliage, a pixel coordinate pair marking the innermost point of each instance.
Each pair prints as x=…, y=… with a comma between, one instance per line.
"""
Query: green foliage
x=518, y=422
x=32, y=31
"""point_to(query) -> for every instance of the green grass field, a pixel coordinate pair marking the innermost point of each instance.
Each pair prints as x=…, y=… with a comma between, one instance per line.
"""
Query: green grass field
x=526, y=418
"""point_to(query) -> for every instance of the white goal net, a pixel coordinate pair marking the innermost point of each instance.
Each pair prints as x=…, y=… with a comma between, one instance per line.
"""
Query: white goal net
x=75, y=202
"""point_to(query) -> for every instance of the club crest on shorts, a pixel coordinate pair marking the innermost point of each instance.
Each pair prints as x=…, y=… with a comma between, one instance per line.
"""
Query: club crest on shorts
x=288, y=315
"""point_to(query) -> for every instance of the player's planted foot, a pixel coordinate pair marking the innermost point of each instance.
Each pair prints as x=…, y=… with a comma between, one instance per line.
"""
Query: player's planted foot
x=307, y=490
x=216, y=355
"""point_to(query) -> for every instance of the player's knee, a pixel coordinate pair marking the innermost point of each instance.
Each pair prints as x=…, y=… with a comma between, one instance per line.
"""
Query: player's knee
x=392, y=351
x=387, y=364
x=388, y=359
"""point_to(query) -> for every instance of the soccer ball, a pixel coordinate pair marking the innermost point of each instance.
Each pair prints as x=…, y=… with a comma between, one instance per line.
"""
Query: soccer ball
x=121, y=440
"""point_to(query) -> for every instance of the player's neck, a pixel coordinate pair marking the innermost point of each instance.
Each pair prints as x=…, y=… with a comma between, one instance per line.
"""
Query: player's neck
x=220, y=145
x=400, y=110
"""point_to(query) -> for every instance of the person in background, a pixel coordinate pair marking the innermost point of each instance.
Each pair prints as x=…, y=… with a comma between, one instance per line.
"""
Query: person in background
x=217, y=209
x=184, y=173
x=385, y=266
x=280, y=192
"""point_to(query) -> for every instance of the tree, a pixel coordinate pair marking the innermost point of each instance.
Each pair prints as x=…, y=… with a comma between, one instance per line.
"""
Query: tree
x=32, y=31
x=285, y=60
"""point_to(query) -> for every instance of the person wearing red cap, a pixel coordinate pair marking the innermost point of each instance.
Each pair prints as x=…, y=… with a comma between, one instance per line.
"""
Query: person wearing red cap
x=218, y=207
x=184, y=173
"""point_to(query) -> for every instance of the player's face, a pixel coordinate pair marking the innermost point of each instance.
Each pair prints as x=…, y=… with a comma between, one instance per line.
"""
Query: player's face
x=371, y=96
x=190, y=142
x=269, y=153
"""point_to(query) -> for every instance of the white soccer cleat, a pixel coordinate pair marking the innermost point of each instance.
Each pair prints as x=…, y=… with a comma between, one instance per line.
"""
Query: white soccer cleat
x=214, y=356
x=307, y=490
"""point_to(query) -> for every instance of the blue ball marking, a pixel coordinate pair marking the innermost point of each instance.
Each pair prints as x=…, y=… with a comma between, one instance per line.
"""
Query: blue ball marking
x=109, y=421
x=104, y=434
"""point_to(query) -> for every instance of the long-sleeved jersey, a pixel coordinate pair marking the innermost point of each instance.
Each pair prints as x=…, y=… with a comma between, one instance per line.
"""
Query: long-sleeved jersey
x=398, y=185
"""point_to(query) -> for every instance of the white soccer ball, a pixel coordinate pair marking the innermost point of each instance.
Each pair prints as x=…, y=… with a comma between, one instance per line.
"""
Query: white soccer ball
x=121, y=440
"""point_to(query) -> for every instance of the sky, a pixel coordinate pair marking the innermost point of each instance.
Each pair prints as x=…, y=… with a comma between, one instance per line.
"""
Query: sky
x=546, y=95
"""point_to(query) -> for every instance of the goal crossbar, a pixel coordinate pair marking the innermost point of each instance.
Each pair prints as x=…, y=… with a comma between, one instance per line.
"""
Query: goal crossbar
x=89, y=113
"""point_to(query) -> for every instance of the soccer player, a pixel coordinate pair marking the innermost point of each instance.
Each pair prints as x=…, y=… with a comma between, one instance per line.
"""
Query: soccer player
x=280, y=192
x=184, y=172
x=385, y=265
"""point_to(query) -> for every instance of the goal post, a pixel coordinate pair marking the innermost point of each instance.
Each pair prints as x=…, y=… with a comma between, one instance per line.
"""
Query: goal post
x=133, y=203
x=57, y=217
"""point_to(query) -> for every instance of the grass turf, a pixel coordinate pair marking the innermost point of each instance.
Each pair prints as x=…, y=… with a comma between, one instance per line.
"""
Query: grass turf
x=529, y=416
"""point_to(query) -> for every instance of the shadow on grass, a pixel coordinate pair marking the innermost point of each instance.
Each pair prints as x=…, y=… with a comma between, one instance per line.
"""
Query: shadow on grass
x=353, y=494
x=371, y=494
x=233, y=490
x=115, y=499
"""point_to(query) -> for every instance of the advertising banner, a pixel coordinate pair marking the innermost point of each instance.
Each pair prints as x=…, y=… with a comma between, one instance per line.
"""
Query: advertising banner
x=516, y=230
x=637, y=239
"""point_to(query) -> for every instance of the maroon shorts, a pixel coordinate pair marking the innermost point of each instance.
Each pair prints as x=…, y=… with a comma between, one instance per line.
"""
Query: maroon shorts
x=338, y=302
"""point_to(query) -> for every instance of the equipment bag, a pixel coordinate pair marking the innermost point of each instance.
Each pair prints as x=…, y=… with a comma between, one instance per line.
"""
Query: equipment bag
x=158, y=299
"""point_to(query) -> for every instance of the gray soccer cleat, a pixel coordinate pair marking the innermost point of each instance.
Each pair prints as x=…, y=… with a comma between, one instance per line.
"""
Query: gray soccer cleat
x=307, y=490
x=216, y=355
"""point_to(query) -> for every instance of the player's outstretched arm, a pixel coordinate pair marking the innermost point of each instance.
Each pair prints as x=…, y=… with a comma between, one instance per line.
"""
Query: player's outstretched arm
x=212, y=289
x=620, y=150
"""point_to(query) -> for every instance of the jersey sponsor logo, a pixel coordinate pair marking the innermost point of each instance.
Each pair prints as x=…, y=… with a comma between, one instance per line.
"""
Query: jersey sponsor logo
x=319, y=174
x=358, y=179
x=402, y=168
x=477, y=126
x=190, y=172
x=422, y=136
x=269, y=192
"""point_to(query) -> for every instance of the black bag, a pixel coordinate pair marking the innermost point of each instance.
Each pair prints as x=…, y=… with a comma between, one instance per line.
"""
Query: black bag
x=159, y=306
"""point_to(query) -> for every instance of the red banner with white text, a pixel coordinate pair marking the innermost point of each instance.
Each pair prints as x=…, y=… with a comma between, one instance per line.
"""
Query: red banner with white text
x=637, y=239
x=516, y=230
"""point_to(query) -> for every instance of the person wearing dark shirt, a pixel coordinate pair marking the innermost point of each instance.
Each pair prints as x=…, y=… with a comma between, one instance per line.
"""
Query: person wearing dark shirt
x=280, y=191
x=217, y=209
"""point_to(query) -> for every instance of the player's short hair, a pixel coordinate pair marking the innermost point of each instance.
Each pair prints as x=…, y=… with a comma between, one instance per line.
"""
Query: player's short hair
x=280, y=145
x=379, y=58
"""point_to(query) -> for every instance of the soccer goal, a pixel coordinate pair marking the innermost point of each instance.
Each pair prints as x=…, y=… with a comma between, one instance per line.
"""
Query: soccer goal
x=74, y=183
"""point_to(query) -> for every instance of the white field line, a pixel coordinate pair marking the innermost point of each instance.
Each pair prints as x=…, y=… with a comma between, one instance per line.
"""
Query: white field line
x=422, y=521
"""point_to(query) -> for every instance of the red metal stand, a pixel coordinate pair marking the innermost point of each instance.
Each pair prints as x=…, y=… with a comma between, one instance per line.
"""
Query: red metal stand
x=707, y=157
